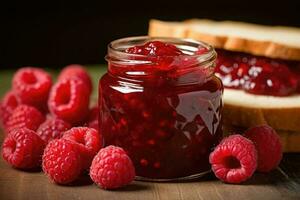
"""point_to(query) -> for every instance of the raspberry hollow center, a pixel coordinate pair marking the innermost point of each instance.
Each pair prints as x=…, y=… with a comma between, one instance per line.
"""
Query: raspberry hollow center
x=231, y=162
x=29, y=78
x=63, y=95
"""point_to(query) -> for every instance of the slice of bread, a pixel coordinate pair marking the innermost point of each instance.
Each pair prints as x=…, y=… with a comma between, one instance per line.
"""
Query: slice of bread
x=270, y=41
x=246, y=110
x=242, y=109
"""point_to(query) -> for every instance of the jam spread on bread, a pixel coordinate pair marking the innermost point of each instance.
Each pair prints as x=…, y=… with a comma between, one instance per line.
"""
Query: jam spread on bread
x=258, y=75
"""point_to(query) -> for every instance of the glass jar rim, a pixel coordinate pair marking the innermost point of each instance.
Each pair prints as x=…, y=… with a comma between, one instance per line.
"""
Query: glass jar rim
x=140, y=67
x=115, y=52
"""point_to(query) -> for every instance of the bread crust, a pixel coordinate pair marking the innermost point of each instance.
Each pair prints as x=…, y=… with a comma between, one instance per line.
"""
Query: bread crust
x=255, y=47
x=167, y=29
x=287, y=119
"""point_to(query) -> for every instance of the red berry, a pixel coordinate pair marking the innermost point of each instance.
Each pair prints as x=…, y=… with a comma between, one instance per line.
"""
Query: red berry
x=69, y=100
x=23, y=149
x=62, y=161
x=112, y=168
x=25, y=116
x=32, y=85
x=77, y=71
x=93, y=118
x=52, y=128
x=234, y=160
x=89, y=141
x=7, y=105
x=268, y=146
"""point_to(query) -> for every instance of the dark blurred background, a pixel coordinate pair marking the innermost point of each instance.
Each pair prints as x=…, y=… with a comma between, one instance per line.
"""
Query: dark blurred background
x=55, y=34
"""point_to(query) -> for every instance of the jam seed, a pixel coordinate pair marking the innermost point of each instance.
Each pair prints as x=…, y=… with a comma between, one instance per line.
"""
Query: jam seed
x=160, y=133
x=174, y=113
x=144, y=162
x=162, y=123
x=123, y=121
x=146, y=114
x=156, y=165
x=151, y=142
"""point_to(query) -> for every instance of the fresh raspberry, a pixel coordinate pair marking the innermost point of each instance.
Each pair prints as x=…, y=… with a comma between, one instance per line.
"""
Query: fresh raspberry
x=112, y=168
x=62, y=161
x=52, y=128
x=23, y=149
x=268, y=146
x=69, y=100
x=93, y=118
x=77, y=71
x=7, y=105
x=89, y=141
x=32, y=85
x=25, y=116
x=234, y=160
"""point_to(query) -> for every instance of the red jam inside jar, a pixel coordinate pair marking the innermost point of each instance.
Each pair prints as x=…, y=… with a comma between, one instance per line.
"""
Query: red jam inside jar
x=161, y=102
x=258, y=75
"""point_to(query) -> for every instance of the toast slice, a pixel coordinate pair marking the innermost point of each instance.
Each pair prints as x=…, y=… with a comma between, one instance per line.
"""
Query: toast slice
x=242, y=109
x=246, y=110
x=270, y=41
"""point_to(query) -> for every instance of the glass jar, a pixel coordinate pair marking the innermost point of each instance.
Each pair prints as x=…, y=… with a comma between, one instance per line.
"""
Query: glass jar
x=166, y=113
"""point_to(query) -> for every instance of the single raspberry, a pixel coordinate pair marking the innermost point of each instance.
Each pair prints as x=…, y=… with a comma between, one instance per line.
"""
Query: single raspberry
x=25, y=116
x=62, y=161
x=9, y=102
x=234, y=160
x=52, y=128
x=23, y=149
x=69, y=100
x=32, y=85
x=268, y=146
x=93, y=118
x=89, y=141
x=112, y=168
x=78, y=71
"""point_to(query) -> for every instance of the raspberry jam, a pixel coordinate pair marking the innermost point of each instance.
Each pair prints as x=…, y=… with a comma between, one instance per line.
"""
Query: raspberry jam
x=161, y=102
x=258, y=75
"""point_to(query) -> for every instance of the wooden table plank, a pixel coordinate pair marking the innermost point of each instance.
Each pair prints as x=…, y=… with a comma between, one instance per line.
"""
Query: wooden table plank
x=21, y=185
x=283, y=183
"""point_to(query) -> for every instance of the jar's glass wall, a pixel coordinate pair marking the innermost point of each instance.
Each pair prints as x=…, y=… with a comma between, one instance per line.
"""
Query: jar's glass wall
x=168, y=129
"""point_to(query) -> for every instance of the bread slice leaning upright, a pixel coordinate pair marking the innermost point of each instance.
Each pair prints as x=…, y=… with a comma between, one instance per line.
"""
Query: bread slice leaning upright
x=242, y=109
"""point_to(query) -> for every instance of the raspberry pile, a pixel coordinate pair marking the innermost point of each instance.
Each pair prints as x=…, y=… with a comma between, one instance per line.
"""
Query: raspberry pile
x=52, y=126
x=236, y=158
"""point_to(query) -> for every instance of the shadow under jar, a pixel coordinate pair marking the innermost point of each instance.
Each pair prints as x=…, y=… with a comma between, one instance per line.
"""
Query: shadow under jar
x=165, y=111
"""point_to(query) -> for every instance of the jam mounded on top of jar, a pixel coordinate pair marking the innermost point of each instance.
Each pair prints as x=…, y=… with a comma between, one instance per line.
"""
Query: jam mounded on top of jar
x=167, y=118
x=258, y=75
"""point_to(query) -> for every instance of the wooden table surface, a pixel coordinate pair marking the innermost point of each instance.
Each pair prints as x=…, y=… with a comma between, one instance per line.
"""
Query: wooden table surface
x=282, y=183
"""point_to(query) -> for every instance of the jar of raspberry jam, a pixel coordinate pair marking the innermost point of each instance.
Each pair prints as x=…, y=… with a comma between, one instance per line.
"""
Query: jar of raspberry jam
x=161, y=102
